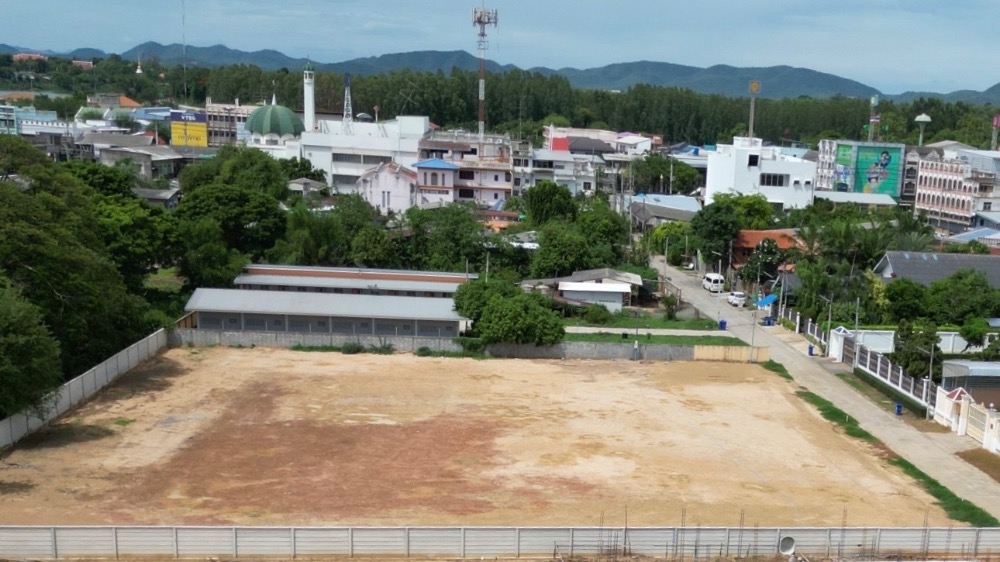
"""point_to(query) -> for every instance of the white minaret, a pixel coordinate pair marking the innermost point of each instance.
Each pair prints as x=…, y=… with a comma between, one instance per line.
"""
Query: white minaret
x=309, y=97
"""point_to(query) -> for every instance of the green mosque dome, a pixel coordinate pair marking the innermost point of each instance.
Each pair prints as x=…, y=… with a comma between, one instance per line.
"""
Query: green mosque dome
x=274, y=119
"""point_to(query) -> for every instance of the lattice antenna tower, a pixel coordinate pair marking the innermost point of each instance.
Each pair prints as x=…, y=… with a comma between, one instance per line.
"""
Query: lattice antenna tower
x=348, y=111
x=482, y=18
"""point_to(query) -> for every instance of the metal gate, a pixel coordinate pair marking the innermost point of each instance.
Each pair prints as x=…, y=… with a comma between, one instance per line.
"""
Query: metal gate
x=849, y=351
x=977, y=422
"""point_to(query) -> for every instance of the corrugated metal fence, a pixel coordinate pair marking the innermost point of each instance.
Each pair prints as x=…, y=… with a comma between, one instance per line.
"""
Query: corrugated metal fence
x=471, y=542
x=16, y=427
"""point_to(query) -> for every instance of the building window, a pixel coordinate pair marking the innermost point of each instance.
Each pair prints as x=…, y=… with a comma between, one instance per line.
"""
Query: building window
x=496, y=177
x=773, y=180
x=434, y=178
x=753, y=160
x=466, y=175
x=506, y=176
x=586, y=185
x=466, y=193
x=341, y=157
x=517, y=182
x=987, y=205
x=496, y=196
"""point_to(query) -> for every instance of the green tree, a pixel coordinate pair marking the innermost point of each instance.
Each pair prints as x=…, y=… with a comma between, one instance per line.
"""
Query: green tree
x=914, y=344
x=472, y=297
x=907, y=299
x=312, y=239
x=562, y=250
x=255, y=170
x=295, y=168
x=974, y=332
x=206, y=261
x=108, y=180
x=967, y=293
x=139, y=238
x=715, y=226
x=520, y=319
x=547, y=201
x=372, y=247
x=251, y=221
x=29, y=355
x=754, y=212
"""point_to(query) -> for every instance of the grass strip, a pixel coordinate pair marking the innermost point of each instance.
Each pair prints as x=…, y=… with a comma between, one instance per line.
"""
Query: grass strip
x=957, y=508
x=837, y=416
x=775, y=367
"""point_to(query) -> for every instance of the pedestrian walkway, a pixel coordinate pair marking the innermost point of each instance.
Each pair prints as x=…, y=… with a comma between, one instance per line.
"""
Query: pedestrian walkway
x=931, y=453
x=641, y=332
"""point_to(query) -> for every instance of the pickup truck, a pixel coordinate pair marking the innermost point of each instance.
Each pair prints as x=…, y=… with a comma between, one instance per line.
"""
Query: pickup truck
x=737, y=298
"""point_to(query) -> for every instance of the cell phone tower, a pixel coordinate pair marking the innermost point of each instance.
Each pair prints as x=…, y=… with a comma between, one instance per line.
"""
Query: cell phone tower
x=481, y=17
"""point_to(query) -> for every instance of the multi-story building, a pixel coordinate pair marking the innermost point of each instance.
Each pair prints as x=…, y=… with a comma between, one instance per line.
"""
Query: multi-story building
x=951, y=190
x=227, y=122
x=479, y=172
x=748, y=168
x=8, y=120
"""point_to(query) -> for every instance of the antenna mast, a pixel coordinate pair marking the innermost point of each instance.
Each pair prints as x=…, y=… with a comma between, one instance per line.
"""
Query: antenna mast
x=482, y=17
x=348, y=112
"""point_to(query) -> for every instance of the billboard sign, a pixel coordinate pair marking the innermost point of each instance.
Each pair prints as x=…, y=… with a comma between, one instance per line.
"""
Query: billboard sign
x=188, y=128
x=878, y=170
x=843, y=168
x=868, y=169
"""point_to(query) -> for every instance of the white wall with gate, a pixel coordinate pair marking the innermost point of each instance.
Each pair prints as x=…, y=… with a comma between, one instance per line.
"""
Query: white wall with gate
x=963, y=416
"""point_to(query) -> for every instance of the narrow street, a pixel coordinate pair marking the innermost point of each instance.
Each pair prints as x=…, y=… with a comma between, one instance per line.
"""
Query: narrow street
x=931, y=453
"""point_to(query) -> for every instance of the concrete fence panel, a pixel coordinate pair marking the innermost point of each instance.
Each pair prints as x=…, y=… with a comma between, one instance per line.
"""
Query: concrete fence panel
x=81, y=388
x=45, y=543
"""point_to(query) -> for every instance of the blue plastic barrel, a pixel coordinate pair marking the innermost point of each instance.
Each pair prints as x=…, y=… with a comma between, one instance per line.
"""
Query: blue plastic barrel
x=810, y=350
x=899, y=408
x=722, y=324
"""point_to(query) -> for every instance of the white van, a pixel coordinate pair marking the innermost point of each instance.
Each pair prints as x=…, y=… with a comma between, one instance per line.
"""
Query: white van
x=713, y=282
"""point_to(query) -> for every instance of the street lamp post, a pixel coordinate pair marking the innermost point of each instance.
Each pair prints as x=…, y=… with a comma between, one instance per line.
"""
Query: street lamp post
x=718, y=308
x=829, y=318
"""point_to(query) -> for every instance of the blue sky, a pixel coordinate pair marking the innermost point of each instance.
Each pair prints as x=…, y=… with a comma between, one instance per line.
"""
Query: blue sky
x=892, y=45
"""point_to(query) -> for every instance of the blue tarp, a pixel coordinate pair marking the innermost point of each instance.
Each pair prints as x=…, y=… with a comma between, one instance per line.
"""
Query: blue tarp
x=768, y=300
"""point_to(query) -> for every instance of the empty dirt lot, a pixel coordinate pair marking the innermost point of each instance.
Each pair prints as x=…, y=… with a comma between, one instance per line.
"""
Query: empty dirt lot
x=268, y=436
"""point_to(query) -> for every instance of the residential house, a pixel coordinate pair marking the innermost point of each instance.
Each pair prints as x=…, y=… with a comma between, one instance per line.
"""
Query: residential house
x=389, y=187
x=746, y=242
x=166, y=198
x=926, y=267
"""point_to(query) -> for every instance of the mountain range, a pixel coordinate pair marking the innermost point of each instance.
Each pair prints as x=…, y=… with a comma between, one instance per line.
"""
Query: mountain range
x=776, y=81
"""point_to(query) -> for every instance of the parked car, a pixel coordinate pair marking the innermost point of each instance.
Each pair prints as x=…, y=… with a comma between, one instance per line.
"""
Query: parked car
x=713, y=282
x=737, y=298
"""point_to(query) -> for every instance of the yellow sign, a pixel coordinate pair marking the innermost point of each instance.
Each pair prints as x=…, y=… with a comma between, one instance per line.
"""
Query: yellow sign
x=755, y=87
x=183, y=133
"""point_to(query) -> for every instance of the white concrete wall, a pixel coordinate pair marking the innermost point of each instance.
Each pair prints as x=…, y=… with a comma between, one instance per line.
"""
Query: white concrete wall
x=611, y=301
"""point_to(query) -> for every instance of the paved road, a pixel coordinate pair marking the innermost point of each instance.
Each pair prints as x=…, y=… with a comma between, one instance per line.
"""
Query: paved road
x=931, y=453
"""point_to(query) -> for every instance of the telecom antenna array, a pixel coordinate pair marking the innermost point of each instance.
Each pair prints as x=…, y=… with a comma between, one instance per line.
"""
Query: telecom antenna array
x=482, y=18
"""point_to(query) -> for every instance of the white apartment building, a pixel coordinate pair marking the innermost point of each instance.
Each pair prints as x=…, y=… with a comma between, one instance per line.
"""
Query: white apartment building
x=477, y=172
x=951, y=190
x=747, y=167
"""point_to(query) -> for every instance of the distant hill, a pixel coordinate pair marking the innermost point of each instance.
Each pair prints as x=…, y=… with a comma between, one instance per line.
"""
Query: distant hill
x=776, y=81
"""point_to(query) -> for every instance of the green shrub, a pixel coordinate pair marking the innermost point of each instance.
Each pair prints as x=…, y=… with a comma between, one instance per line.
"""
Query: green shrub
x=597, y=314
x=775, y=367
x=352, y=348
x=423, y=351
x=383, y=349
x=471, y=345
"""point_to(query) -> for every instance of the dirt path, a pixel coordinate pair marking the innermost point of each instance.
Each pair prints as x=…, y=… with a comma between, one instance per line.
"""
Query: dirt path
x=267, y=436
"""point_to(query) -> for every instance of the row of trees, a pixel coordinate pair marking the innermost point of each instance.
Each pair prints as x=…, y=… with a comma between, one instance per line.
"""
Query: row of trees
x=517, y=102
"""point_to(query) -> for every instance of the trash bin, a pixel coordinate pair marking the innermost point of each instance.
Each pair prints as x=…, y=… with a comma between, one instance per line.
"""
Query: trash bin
x=899, y=408
x=769, y=321
x=722, y=324
x=810, y=350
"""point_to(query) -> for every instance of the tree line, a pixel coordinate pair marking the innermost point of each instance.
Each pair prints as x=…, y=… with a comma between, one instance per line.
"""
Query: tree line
x=517, y=102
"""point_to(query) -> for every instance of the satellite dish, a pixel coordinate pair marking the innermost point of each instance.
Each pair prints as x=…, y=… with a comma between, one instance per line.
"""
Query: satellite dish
x=787, y=546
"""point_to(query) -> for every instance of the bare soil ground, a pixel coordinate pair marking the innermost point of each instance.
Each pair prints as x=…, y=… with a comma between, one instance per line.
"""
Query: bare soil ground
x=269, y=436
